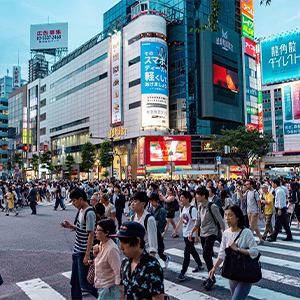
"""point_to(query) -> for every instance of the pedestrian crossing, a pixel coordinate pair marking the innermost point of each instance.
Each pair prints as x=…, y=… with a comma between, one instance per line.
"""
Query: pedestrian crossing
x=281, y=277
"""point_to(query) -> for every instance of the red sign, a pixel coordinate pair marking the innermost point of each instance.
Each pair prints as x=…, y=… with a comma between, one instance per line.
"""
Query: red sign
x=140, y=171
x=141, y=151
x=45, y=148
x=250, y=47
x=162, y=149
x=258, y=58
x=252, y=126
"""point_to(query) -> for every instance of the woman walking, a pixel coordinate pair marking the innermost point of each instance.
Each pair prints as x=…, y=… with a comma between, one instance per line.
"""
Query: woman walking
x=11, y=202
x=59, y=199
x=245, y=244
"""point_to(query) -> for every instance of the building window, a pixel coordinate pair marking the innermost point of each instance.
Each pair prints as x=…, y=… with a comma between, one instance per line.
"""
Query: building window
x=135, y=82
x=43, y=102
x=43, y=117
x=147, y=35
x=134, y=104
x=43, y=88
x=78, y=122
x=43, y=131
x=134, y=61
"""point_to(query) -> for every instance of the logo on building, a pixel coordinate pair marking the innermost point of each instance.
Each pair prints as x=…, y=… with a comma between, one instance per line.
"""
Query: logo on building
x=223, y=41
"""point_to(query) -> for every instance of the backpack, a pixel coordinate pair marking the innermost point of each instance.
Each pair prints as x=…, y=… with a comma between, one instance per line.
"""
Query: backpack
x=190, y=210
x=160, y=242
x=85, y=213
x=220, y=209
x=176, y=204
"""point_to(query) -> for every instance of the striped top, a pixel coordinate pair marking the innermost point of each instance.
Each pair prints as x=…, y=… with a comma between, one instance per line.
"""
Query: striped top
x=82, y=230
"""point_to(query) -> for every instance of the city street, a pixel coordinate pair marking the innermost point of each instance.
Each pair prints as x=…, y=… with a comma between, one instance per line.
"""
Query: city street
x=35, y=261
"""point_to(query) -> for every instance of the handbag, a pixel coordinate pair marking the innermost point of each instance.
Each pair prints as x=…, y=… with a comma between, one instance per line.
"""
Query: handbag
x=91, y=273
x=241, y=267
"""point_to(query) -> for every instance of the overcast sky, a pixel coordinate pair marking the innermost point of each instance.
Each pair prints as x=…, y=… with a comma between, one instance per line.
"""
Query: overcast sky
x=85, y=20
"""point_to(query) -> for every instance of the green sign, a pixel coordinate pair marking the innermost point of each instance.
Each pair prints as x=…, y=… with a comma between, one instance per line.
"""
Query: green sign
x=247, y=27
x=259, y=97
x=252, y=110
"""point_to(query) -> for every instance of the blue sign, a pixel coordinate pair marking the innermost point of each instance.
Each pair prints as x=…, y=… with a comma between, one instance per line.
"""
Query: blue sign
x=291, y=128
x=280, y=57
x=251, y=91
x=219, y=158
x=154, y=68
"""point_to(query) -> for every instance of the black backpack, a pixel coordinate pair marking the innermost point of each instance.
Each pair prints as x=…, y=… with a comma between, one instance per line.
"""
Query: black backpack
x=220, y=210
x=85, y=213
x=176, y=204
x=190, y=210
x=160, y=242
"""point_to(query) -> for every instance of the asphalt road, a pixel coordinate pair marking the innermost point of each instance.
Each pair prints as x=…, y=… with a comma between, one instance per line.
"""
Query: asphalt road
x=35, y=261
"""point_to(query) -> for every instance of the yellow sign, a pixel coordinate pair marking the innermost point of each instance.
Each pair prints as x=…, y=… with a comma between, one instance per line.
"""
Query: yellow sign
x=116, y=132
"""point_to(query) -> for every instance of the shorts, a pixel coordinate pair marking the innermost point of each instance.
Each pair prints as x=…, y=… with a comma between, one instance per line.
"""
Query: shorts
x=171, y=214
x=253, y=219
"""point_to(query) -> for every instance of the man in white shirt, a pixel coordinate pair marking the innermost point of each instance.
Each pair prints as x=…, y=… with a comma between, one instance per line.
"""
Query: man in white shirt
x=280, y=218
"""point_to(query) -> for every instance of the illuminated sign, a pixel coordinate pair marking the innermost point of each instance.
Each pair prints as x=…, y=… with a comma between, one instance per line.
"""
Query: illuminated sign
x=260, y=112
x=207, y=145
x=250, y=47
x=161, y=149
x=141, y=151
x=140, y=171
x=251, y=91
x=251, y=126
x=117, y=131
x=247, y=27
x=280, y=57
x=226, y=78
x=16, y=77
x=154, y=84
x=116, y=78
x=247, y=8
x=223, y=41
x=252, y=110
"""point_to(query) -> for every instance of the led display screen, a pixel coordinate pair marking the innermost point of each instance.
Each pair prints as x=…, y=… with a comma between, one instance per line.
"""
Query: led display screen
x=225, y=78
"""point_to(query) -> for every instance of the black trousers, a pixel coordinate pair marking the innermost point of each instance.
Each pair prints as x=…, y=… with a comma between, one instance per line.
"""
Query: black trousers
x=190, y=250
x=119, y=218
x=281, y=221
x=33, y=207
x=208, y=246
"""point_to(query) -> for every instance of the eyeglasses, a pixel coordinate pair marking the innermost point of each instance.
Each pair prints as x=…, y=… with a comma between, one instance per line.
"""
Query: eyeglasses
x=97, y=230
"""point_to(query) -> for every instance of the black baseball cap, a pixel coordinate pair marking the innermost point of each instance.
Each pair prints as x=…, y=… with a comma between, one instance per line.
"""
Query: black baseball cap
x=130, y=229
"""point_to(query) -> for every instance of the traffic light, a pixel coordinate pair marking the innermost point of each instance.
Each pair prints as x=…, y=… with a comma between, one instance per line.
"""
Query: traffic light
x=25, y=147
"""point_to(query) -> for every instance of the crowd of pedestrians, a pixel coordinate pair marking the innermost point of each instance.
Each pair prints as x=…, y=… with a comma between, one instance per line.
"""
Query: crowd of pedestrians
x=208, y=210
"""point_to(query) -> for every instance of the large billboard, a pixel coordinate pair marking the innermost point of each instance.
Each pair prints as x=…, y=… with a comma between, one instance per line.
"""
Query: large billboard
x=154, y=84
x=49, y=36
x=280, y=57
x=116, y=78
x=225, y=78
x=162, y=149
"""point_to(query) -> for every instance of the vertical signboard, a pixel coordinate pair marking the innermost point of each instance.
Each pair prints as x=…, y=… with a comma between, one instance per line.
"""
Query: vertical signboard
x=16, y=77
x=250, y=47
x=247, y=8
x=141, y=151
x=247, y=27
x=116, y=77
x=25, y=140
x=260, y=112
x=154, y=84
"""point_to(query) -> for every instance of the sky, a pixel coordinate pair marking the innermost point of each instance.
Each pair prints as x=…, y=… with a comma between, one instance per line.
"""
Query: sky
x=85, y=20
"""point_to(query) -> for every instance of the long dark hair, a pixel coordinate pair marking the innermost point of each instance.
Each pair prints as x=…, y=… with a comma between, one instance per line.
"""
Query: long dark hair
x=294, y=193
x=238, y=213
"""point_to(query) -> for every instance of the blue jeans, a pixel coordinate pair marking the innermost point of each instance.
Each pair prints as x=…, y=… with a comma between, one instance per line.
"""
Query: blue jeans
x=111, y=293
x=59, y=201
x=239, y=290
x=79, y=278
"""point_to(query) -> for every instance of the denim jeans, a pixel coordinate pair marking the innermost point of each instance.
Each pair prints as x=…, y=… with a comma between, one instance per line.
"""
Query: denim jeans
x=239, y=290
x=59, y=201
x=79, y=278
x=111, y=293
x=190, y=250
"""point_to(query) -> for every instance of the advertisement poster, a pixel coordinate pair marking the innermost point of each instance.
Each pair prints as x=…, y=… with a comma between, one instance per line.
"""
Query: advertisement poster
x=154, y=84
x=116, y=77
x=141, y=151
x=247, y=8
x=247, y=27
x=291, y=108
x=250, y=47
x=280, y=57
x=161, y=149
x=226, y=78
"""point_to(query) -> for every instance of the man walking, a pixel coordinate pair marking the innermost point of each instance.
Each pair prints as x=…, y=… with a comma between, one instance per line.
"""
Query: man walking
x=32, y=198
x=280, y=217
x=118, y=200
x=85, y=227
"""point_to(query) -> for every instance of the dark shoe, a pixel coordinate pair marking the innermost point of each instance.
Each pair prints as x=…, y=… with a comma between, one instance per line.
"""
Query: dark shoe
x=287, y=239
x=271, y=239
x=264, y=238
x=210, y=283
x=16, y=214
x=198, y=269
x=181, y=277
x=6, y=214
x=64, y=208
x=33, y=213
x=205, y=282
x=176, y=236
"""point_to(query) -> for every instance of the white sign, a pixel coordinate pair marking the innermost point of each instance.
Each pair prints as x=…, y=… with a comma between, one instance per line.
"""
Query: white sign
x=116, y=84
x=49, y=36
x=33, y=102
x=16, y=77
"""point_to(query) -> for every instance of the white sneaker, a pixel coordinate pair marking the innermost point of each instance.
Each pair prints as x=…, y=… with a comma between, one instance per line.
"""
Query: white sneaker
x=167, y=261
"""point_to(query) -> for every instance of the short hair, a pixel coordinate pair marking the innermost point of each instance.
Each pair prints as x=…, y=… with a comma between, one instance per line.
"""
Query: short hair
x=141, y=196
x=76, y=193
x=99, y=209
x=117, y=186
x=155, y=187
x=105, y=196
x=97, y=196
x=186, y=195
x=213, y=189
x=132, y=241
x=238, y=213
x=154, y=197
x=277, y=182
x=202, y=191
x=108, y=226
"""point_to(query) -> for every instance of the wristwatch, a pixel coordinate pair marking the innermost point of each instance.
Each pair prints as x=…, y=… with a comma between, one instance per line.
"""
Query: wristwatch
x=238, y=249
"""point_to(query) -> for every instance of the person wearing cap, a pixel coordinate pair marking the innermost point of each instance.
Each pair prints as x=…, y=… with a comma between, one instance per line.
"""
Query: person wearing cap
x=266, y=198
x=141, y=274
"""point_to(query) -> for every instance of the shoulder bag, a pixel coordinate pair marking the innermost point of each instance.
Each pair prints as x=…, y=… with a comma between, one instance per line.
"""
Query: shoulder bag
x=241, y=267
